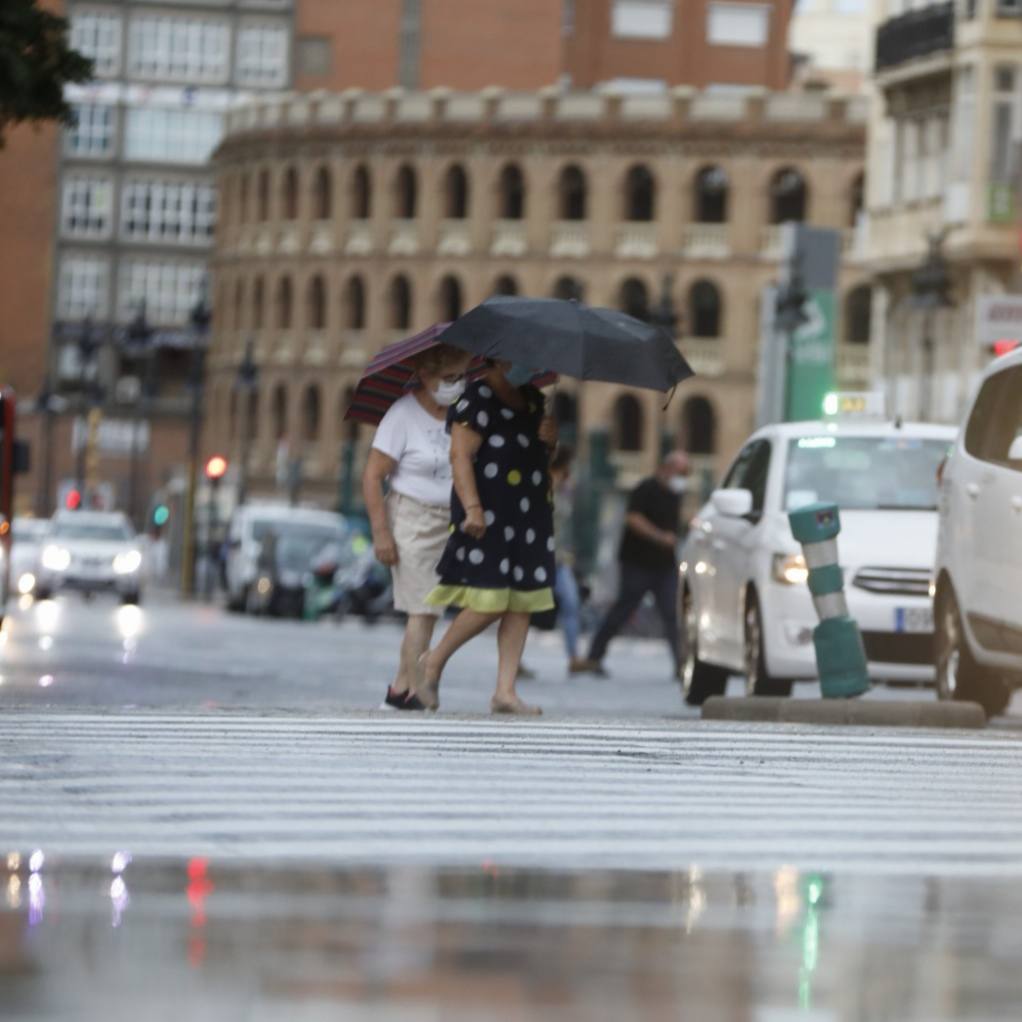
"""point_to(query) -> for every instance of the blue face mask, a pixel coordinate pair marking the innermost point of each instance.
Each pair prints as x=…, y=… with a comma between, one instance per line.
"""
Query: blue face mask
x=519, y=374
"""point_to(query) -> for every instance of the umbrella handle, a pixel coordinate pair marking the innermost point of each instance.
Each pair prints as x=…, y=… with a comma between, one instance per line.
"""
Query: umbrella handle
x=670, y=398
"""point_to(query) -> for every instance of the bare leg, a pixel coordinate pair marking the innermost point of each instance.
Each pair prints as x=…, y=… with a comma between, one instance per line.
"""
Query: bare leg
x=418, y=632
x=467, y=625
x=514, y=629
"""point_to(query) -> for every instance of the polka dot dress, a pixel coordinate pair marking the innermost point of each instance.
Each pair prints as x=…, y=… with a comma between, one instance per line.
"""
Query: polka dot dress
x=512, y=566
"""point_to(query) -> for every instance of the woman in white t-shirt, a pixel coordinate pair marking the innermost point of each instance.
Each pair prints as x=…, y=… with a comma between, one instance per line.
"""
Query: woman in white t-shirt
x=412, y=449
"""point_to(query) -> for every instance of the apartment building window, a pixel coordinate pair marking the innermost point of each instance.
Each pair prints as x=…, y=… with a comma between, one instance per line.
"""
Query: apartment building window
x=262, y=55
x=964, y=124
x=1003, y=132
x=642, y=19
x=170, y=289
x=934, y=156
x=83, y=287
x=181, y=212
x=179, y=48
x=567, y=17
x=171, y=135
x=87, y=206
x=911, y=159
x=92, y=130
x=97, y=35
x=738, y=25
x=314, y=56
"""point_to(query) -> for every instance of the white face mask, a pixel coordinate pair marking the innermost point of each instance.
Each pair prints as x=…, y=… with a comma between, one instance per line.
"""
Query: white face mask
x=679, y=484
x=447, y=393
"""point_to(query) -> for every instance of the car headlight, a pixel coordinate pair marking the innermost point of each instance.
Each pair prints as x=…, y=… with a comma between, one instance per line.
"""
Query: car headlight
x=791, y=569
x=56, y=558
x=127, y=562
x=26, y=583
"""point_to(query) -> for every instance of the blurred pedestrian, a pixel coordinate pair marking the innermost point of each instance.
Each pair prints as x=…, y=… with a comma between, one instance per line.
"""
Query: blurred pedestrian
x=569, y=603
x=648, y=558
x=498, y=564
x=411, y=450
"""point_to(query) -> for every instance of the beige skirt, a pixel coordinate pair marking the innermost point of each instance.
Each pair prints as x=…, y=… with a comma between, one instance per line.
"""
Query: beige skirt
x=420, y=533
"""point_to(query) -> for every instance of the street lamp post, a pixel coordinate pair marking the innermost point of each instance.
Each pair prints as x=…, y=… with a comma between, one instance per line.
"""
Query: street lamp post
x=931, y=290
x=47, y=403
x=246, y=381
x=139, y=336
x=87, y=347
x=665, y=315
x=200, y=320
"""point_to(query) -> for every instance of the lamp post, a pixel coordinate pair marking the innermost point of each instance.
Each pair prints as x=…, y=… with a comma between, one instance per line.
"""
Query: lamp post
x=931, y=287
x=137, y=342
x=89, y=398
x=47, y=403
x=665, y=315
x=246, y=381
x=200, y=320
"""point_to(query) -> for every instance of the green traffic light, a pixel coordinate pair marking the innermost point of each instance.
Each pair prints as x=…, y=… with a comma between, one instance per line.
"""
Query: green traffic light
x=161, y=515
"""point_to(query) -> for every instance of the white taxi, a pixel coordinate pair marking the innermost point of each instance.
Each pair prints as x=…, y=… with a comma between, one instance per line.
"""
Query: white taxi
x=744, y=604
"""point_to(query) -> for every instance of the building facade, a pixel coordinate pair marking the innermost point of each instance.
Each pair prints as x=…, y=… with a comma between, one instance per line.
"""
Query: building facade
x=349, y=221
x=943, y=159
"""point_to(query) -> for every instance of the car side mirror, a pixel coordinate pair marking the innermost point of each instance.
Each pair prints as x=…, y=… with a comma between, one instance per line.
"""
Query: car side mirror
x=732, y=503
x=1015, y=451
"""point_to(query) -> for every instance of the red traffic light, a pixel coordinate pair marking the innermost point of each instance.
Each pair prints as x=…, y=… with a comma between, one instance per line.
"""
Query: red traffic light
x=216, y=467
x=73, y=500
x=1003, y=347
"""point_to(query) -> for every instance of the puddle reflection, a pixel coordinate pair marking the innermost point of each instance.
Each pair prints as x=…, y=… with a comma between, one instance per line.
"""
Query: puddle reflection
x=510, y=943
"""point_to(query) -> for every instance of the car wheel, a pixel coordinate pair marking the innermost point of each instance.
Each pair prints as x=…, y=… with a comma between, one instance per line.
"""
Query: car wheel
x=958, y=675
x=699, y=680
x=132, y=598
x=757, y=681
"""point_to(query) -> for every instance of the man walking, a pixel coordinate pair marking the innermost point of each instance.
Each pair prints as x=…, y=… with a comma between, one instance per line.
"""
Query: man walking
x=647, y=556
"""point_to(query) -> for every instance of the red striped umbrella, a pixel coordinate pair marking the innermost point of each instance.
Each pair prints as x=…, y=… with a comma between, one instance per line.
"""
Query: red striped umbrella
x=391, y=375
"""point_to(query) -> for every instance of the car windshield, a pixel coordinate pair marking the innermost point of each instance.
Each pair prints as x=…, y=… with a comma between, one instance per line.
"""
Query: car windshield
x=99, y=531
x=29, y=531
x=886, y=473
x=297, y=543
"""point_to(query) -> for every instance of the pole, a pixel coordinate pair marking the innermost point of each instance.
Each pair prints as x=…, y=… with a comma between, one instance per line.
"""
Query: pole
x=194, y=424
x=45, y=495
x=246, y=450
x=926, y=383
x=211, y=526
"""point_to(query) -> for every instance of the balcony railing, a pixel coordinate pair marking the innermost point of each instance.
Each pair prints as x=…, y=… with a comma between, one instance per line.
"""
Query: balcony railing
x=636, y=241
x=915, y=34
x=569, y=239
x=509, y=238
x=853, y=365
x=707, y=241
x=360, y=238
x=455, y=238
x=704, y=355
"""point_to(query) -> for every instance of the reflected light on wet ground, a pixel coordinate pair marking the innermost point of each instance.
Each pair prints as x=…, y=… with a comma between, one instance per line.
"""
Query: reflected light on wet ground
x=195, y=938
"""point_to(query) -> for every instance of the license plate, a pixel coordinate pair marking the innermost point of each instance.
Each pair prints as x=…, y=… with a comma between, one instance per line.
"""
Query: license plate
x=913, y=619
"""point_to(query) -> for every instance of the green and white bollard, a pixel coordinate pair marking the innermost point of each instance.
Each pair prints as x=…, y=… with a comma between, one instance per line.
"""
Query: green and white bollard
x=840, y=655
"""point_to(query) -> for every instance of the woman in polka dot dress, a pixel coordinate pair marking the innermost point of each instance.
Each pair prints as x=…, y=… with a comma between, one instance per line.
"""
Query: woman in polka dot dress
x=499, y=560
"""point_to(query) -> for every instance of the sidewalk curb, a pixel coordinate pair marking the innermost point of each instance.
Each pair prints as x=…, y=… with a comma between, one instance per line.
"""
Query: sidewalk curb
x=767, y=709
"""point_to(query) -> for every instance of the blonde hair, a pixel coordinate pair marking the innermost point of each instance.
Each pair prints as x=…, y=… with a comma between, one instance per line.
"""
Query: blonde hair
x=437, y=360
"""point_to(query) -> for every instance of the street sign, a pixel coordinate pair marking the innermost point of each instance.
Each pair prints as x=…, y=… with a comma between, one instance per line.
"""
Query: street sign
x=811, y=358
x=113, y=436
x=998, y=318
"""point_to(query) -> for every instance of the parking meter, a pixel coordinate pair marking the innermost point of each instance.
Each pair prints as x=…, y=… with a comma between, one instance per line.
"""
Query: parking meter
x=840, y=654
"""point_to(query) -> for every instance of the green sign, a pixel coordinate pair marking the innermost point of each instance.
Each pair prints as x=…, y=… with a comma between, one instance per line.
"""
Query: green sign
x=811, y=358
x=1001, y=204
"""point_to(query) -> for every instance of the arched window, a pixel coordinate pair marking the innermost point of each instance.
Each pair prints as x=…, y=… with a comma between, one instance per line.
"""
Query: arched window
x=361, y=193
x=573, y=194
x=289, y=195
x=449, y=305
x=284, y=304
x=640, y=194
x=788, y=196
x=512, y=193
x=456, y=193
x=406, y=193
x=634, y=298
x=316, y=311
x=279, y=411
x=263, y=198
x=311, y=413
x=355, y=304
x=858, y=315
x=569, y=288
x=628, y=426
x=322, y=195
x=239, y=305
x=505, y=285
x=400, y=303
x=243, y=187
x=704, y=309
x=856, y=200
x=711, y=195
x=698, y=426
x=258, y=305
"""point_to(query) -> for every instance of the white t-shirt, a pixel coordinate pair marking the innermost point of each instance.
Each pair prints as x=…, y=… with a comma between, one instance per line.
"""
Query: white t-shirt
x=421, y=447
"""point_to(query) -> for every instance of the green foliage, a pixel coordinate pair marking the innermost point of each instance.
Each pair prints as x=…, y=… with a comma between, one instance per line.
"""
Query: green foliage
x=36, y=63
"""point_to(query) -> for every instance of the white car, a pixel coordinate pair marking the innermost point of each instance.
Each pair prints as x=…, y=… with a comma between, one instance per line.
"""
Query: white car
x=978, y=598
x=745, y=607
x=91, y=551
x=299, y=533
x=27, y=537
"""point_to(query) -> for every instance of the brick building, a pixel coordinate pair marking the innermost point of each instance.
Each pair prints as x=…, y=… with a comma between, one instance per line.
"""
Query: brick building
x=348, y=221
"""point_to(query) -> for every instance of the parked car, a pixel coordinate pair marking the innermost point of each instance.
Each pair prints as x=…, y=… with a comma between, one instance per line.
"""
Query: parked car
x=27, y=537
x=978, y=598
x=269, y=550
x=744, y=604
x=91, y=551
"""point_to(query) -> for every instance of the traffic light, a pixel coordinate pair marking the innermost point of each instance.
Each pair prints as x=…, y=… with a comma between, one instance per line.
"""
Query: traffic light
x=216, y=468
x=73, y=500
x=1000, y=348
x=789, y=308
x=161, y=515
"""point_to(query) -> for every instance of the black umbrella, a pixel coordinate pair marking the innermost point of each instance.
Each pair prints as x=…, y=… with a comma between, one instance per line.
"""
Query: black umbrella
x=567, y=337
